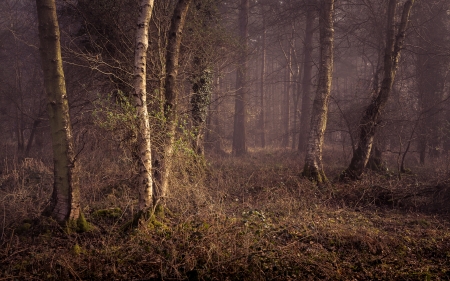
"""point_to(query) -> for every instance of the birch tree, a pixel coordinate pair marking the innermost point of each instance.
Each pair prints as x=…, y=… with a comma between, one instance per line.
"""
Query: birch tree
x=313, y=168
x=65, y=201
x=372, y=114
x=143, y=145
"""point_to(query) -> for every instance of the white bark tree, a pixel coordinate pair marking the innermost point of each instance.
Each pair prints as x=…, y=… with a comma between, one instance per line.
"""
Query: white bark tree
x=143, y=145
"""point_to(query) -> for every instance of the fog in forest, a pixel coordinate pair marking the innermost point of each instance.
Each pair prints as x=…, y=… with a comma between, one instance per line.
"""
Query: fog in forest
x=224, y=140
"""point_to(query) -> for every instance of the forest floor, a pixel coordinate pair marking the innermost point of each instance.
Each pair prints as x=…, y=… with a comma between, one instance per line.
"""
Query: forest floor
x=251, y=218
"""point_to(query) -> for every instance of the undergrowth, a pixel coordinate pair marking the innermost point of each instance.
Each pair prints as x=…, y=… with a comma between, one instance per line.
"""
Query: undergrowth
x=252, y=218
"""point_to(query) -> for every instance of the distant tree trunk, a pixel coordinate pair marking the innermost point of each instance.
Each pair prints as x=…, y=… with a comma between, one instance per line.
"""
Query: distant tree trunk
x=313, y=168
x=239, y=133
x=305, y=117
x=285, y=107
x=432, y=77
x=296, y=98
x=65, y=201
x=162, y=174
x=262, y=117
x=372, y=114
x=375, y=161
x=200, y=99
x=143, y=145
x=213, y=132
x=34, y=128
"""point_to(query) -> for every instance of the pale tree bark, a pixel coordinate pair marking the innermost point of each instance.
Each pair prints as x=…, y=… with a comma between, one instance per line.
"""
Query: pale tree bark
x=143, y=145
x=163, y=171
x=305, y=117
x=65, y=201
x=372, y=114
x=313, y=168
x=239, y=147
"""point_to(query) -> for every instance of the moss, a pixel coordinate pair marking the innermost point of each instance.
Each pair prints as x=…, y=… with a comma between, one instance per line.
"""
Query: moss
x=108, y=213
x=76, y=249
x=79, y=225
x=159, y=211
x=82, y=224
x=314, y=175
x=137, y=219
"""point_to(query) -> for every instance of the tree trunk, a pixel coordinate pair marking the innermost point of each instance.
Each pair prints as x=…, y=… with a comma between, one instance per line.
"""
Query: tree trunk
x=143, y=145
x=262, y=117
x=65, y=201
x=163, y=171
x=213, y=132
x=239, y=133
x=285, y=107
x=200, y=100
x=371, y=118
x=313, y=168
x=305, y=117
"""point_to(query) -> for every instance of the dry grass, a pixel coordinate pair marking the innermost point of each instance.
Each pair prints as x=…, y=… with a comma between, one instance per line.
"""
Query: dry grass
x=243, y=219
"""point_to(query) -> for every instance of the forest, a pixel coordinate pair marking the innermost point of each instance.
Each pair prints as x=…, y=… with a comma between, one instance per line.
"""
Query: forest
x=224, y=140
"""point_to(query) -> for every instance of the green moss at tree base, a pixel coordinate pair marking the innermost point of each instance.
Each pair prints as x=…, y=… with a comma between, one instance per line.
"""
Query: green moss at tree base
x=79, y=225
x=314, y=175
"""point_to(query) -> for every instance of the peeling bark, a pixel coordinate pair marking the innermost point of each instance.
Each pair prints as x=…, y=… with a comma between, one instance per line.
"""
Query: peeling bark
x=143, y=145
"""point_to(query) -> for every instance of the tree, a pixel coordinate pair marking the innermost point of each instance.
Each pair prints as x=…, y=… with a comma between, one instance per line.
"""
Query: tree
x=200, y=100
x=239, y=130
x=163, y=171
x=313, y=168
x=307, y=75
x=432, y=71
x=143, y=145
x=65, y=200
x=262, y=117
x=372, y=114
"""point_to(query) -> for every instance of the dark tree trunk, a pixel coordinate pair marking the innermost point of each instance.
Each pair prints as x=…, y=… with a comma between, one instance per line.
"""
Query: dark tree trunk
x=240, y=116
x=163, y=161
x=262, y=117
x=305, y=116
x=65, y=202
x=371, y=118
x=200, y=100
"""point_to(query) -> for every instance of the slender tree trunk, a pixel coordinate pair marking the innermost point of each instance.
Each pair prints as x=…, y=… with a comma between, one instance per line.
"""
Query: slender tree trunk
x=65, y=201
x=239, y=133
x=313, y=168
x=297, y=91
x=34, y=128
x=143, y=145
x=200, y=100
x=262, y=117
x=371, y=118
x=213, y=126
x=162, y=175
x=305, y=117
x=285, y=107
